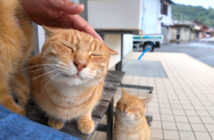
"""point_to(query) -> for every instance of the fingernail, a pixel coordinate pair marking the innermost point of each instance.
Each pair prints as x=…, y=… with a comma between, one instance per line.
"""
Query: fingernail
x=78, y=6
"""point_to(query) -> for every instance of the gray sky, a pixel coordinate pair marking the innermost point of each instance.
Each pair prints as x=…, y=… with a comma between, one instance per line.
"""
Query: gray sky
x=204, y=3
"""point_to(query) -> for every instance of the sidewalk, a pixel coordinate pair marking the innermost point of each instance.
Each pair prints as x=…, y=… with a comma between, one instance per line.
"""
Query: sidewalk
x=182, y=104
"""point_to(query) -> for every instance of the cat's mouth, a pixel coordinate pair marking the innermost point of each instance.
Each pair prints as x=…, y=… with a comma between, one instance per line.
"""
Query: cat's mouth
x=71, y=76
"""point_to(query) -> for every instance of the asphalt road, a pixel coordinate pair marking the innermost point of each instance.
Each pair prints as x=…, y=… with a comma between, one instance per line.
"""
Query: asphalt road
x=203, y=50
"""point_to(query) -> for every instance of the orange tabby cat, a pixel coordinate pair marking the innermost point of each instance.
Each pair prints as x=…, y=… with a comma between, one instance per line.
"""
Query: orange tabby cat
x=130, y=120
x=15, y=47
x=67, y=77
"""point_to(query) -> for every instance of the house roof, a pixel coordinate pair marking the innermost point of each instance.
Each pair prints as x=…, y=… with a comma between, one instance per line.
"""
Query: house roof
x=182, y=25
x=169, y=1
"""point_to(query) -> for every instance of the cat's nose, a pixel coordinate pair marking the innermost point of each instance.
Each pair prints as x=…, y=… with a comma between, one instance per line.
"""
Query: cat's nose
x=126, y=110
x=79, y=65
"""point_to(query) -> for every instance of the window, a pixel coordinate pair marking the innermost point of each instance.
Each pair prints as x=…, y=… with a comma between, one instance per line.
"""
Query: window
x=164, y=8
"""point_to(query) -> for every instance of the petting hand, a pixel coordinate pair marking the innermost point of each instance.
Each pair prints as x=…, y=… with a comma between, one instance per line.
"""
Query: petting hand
x=58, y=13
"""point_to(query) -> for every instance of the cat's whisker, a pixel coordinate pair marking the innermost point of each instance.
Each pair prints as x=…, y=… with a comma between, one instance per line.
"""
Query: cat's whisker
x=47, y=73
x=40, y=65
x=42, y=69
x=55, y=61
x=49, y=58
x=39, y=69
x=49, y=80
x=36, y=70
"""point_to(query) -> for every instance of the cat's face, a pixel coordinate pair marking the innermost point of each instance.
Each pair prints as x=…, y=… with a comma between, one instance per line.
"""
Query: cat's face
x=130, y=107
x=75, y=58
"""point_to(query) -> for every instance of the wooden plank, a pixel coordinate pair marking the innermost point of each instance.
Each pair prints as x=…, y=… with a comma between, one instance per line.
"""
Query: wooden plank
x=100, y=109
x=111, y=85
x=108, y=95
x=115, y=76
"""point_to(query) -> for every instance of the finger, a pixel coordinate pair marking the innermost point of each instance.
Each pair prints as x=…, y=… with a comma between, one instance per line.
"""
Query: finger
x=92, y=32
x=69, y=21
x=80, y=24
x=72, y=8
x=66, y=6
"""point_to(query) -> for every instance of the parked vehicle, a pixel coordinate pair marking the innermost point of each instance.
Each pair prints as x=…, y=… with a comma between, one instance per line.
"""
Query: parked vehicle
x=143, y=42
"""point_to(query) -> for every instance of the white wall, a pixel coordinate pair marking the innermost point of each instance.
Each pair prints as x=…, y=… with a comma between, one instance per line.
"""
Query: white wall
x=167, y=19
x=41, y=37
x=150, y=17
x=113, y=41
x=127, y=44
x=114, y=14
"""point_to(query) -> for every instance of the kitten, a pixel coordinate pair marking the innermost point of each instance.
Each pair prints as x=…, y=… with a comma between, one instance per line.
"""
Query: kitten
x=15, y=47
x=67, y=77
x=130, y=120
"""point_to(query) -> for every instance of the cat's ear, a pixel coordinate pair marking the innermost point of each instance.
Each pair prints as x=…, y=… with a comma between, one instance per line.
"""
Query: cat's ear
x=124, y=93
x=146, y=100
x=110, y=51
x=49, y=31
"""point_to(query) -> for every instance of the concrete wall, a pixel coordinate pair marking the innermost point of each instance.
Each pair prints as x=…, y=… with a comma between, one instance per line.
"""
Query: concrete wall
x=166, y=33
x=185, y=34
x=166, y=21
x=173, y=33
x=193, y=35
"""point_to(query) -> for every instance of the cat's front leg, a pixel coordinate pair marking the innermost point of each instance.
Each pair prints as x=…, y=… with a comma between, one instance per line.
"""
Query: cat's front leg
x=20, y=88
x=5, y=98
x=86, y=124
x=55, y=123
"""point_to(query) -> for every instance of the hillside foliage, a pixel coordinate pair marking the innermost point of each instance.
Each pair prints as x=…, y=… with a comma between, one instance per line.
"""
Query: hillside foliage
x=191, y=13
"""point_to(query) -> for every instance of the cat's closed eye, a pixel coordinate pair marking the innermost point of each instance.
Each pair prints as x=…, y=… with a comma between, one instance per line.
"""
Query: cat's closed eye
x=67, y=45
x=95, y=54
x=133, y=109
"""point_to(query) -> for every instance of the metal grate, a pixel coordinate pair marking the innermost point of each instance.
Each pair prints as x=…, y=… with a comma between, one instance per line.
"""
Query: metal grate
x=144, y=68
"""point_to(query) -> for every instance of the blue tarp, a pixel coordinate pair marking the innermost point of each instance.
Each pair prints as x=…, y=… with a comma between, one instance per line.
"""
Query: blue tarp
x=17, y=127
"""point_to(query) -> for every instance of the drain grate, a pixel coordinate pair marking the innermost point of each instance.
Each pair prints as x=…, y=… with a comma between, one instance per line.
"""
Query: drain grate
x=144, y=68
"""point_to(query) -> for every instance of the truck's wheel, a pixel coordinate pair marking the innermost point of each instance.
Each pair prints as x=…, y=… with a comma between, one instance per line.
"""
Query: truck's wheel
x=148, y=45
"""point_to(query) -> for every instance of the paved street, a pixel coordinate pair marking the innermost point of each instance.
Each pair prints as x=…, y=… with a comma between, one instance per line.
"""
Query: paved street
x=203, y=50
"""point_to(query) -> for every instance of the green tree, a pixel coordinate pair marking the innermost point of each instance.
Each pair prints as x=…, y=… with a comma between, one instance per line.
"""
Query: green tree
x=191, y=13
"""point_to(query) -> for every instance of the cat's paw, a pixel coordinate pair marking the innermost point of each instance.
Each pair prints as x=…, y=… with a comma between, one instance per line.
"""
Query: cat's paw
x=86, y=126
x=55, y=124
x=17, y=109
x=21, y=112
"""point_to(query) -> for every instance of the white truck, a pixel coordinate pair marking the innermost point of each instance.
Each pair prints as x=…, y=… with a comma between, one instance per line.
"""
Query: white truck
x=151, y=36
x=147, y=41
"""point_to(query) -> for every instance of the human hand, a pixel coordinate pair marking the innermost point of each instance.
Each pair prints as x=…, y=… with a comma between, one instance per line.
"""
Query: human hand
x=58, y=13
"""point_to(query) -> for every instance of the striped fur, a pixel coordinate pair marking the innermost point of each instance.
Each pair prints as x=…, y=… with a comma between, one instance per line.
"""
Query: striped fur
x=59, y=88
x=15, y=47
x=130, y=120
